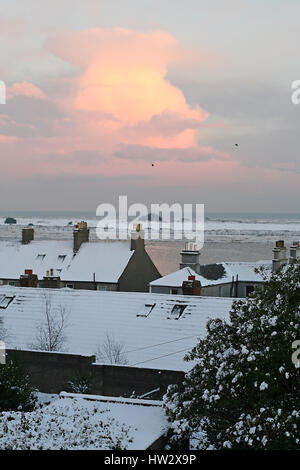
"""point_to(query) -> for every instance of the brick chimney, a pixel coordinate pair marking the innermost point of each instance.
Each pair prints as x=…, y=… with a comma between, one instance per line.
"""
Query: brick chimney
x=50, y=281
x=28, y=279
x=190, y=257
x=191, y=286
x=80, y=235
x=279, y=256
x=27, y=235
x=137, y=238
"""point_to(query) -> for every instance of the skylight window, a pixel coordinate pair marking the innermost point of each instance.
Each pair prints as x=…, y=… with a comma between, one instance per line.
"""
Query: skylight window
x=177, y=311
x=62, y=257
x=146, y=310
x=5, y=301
x=41, y=256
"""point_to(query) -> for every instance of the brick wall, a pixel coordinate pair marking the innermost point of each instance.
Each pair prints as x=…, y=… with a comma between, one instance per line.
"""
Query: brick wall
x=50, y=373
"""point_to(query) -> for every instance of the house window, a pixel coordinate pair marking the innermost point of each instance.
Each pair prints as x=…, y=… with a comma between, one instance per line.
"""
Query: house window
x=249, y=290
x=101, y=288
x=5, y=301
x=174, y=291
x=177, y=311
x=146, y=310
x=11, y=283
x=70, y=286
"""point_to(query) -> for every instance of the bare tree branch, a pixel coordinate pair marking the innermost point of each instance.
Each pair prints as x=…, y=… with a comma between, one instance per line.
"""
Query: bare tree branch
x=50, y=334
x=111, y=351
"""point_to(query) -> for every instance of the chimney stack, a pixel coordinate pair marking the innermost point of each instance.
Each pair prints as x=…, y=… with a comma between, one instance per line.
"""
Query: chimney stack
x=137, y=238
x=28, y=279
x=294, y=252
x=27, y=235
x=191, y=287
x=190, y=257
x=50, y=281
x=80, y=235
x=279, y=256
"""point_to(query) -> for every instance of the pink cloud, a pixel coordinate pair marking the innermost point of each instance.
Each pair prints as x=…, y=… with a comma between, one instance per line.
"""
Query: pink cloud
x=25, y=89
x=119, y=111
x=8, y=139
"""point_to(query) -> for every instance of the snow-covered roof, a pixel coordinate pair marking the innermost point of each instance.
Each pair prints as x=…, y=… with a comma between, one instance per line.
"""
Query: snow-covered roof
x=106, y=259
x=244, y=270
x=176, y=279
x=132, y=412
x=157, y=330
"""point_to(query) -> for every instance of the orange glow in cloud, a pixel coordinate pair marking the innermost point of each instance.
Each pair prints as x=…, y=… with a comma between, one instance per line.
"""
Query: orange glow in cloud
x=118, y=98
x=124, y=74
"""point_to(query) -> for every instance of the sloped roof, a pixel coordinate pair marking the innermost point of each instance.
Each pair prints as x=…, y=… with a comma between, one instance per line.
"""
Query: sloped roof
x=244, y=270
x=176, y=279
x=153, y=337
x=106, y=259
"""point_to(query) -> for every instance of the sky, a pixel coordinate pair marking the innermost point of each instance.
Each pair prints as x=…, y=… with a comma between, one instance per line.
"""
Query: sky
x=148, y=99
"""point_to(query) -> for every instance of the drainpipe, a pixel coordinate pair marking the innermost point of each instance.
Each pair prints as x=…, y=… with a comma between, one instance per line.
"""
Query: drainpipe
x=231, y=287
x=236, y=285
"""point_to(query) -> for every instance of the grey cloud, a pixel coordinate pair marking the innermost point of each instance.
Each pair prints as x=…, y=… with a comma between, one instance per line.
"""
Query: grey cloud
x=141, y=152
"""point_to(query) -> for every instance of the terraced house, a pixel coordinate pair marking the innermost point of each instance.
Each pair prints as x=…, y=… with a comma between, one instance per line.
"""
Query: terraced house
x=103, y=265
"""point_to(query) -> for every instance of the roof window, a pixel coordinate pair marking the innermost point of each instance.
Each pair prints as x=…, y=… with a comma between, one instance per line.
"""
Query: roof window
x=146, y=310
x=177, y=311
x=5, y=301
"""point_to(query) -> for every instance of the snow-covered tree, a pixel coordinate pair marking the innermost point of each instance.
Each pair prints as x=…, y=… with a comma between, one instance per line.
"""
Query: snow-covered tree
x=4, y=336
x=67, y=424
x=243, y=392
x=80, y=384
x=16, y=392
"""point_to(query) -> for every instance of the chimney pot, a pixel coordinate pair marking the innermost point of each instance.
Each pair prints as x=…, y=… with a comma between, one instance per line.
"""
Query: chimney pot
x=280, y=244
x=137, y=238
